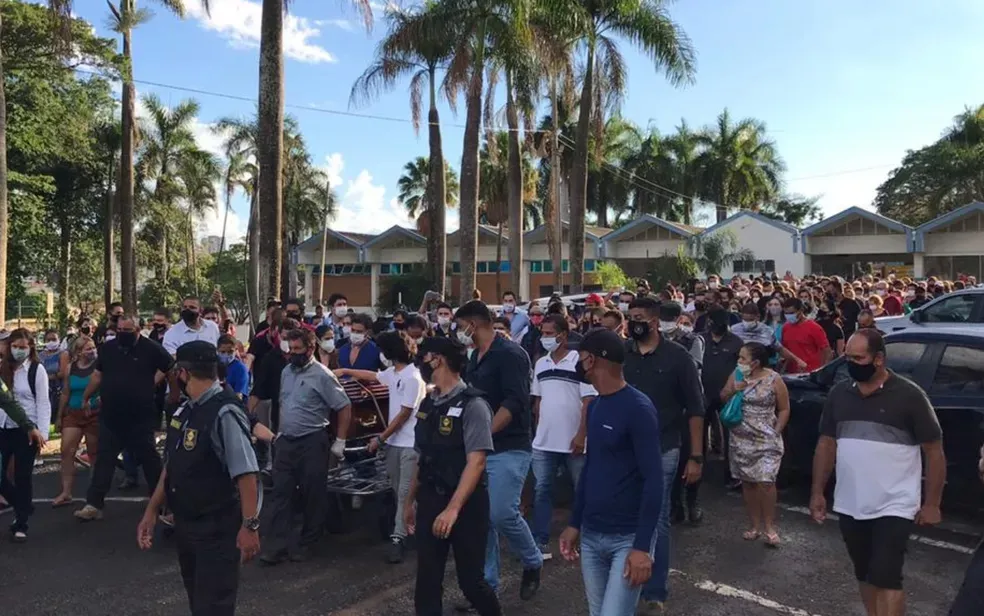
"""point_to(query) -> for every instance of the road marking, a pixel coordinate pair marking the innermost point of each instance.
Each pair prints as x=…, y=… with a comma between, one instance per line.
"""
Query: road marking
x=108, y=499
x=730, y=591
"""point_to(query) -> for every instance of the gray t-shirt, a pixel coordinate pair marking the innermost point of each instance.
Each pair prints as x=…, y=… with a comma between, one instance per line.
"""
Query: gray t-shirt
x=230, y=435
x=308, y=395
x=476, y=419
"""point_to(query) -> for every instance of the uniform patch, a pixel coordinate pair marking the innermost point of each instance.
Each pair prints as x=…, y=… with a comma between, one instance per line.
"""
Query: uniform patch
x=420, y=414
x=175, y=424
x=445, y=428
x=190, y=439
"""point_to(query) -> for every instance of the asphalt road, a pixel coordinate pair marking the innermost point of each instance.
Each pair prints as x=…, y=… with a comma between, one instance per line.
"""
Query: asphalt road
x=96, y=569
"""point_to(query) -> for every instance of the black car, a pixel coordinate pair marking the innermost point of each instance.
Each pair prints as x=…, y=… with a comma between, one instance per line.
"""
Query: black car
x=948, y=364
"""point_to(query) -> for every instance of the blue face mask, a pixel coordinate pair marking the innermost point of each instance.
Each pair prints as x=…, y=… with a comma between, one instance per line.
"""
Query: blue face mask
x=791, y=318
x=226, y=358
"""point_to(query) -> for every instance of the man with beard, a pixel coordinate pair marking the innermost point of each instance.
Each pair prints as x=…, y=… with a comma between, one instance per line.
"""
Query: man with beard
x=126, y=372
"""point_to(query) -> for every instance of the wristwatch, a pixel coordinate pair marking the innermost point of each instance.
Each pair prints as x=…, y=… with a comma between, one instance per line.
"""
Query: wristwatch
x=252, y=524
x=697, y=458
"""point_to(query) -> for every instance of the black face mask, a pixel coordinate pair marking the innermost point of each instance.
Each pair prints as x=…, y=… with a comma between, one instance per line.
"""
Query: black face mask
x=182, y=384
x=719, y=329
x=113, y=318
x=700, y=306
x=579, y=372
x=426, y=371
x=862, y=373
x=85, y=330
x=399, y=326
x=293, y=315
x=189, y=316
x=639, y=330
x=126, y=339
x=299, y=359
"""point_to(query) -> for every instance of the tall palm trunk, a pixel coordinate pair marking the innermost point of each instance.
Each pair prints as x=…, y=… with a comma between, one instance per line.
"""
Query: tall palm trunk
x=437, y=201
x=109, y=228
x=192, y=257
x=253, y=260
x=514, y=198
x=4, y=222
x=498, y=259
x=555, y=223
x=270, y=145
x=468, y=232
x=128, y=264
x=579, y=181
x=65, y=255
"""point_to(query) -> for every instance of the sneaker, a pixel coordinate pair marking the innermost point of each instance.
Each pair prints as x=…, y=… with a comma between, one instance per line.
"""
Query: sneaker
x=302, y=554
x=530, y=584
x=677, y=515
x=465, y=608
x=394, y=555
x=128, y=484
x=82, y=457
x=651, y=608
x=18, y=536
x=545, y=551
x=695, y=515
x=273, y=559
x=89, y=513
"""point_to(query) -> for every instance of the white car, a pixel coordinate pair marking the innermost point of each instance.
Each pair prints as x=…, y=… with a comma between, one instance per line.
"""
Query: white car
x=963, y=308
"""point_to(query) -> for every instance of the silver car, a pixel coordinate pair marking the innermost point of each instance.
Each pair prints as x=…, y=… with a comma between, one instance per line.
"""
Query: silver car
x=963, y=308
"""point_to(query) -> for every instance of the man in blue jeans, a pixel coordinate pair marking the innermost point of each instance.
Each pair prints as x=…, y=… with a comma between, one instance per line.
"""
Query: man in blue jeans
x=500, y=369
x=621, y=490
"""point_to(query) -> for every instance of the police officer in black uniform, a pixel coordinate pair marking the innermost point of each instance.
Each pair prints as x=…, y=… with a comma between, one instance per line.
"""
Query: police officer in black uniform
x=453, y=435
x=209, y=483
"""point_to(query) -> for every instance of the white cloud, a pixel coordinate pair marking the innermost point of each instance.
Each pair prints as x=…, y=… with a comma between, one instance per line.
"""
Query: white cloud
x=364, y=207
x=344, y=24
x=211, y=224
x=239, y=22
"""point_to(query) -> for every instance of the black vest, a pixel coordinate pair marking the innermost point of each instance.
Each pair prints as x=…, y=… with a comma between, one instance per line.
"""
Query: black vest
x=440, y=438
x=198, y=483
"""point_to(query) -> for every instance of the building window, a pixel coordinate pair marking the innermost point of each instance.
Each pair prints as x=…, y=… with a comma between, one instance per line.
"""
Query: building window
x=456, y=268
x=384, y=269
x=356, y=269
x=482, y=267
x=540, y=267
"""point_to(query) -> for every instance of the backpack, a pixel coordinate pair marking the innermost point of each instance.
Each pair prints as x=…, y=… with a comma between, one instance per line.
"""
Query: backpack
x=32, y=376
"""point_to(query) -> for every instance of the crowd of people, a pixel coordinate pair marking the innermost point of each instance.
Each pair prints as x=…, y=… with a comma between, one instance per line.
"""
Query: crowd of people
x=629, y=393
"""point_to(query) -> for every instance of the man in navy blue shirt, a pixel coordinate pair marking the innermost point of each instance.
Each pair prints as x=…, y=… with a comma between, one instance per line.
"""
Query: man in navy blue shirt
x=620, y=491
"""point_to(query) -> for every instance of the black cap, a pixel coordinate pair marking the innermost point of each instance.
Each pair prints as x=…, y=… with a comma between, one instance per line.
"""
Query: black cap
x=197, y=352
x=605, y=344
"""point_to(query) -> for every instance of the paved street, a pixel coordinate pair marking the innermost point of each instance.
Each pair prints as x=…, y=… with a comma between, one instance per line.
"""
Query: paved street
x=96, y=569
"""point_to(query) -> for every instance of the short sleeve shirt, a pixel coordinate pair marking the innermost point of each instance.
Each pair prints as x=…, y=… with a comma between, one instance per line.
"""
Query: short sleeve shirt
x=807, y=341
x=181, y=333
x=406, y=389
x=561, y=393
x=879, y=438
x=128, y=376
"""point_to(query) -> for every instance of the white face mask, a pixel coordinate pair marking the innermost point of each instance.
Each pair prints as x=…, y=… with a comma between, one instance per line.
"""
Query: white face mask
x=386, y=362
x=465, y=339
x=284, y=346
x=549, y=344
x=469, y=352
x=110, y=337
x=341, y=311
x=509, y=307
x=347, y=330
x=667, y=326
x=880, y=292
x=687, y=329
x=419, y=341
x=873, y=307
x=357, y=339
x=328, y=346
x=745, y=369
x=51, y=346
x=443, y=321
x=712, y=285
x=623, y=307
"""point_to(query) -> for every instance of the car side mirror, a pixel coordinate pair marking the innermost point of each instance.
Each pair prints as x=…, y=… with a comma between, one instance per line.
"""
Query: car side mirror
x=916, y=316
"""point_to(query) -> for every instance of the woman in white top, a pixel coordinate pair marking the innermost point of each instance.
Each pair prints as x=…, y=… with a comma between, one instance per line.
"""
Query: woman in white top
x=19, y=364
x=406, y=392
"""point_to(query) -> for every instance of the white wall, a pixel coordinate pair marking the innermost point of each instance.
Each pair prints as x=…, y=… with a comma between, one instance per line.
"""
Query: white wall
x=417, y=254
x=653, y=249
x=312, y=256
x=766, y=242
x=540, y=251
x=954, y=243
x=857, y=244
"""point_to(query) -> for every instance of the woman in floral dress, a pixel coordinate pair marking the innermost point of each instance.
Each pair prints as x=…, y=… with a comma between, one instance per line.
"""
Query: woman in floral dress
x=756, y=444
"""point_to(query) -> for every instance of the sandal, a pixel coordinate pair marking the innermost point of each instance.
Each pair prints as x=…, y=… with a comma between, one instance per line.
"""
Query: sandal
x=772, y=540
x=750, y=535
x=62, y=502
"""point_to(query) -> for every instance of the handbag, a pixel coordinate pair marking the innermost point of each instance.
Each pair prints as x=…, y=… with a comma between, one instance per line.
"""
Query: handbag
x=731, y=414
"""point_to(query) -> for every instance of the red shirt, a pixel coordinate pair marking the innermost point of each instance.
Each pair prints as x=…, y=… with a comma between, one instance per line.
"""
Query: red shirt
x=892, y=306
x=806, y=340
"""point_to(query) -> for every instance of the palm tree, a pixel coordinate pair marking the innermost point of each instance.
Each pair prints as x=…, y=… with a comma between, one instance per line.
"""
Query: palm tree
x=108, y=137
x=414, y=187
x=415, y=48
x=199, y=171
x=647, y=24
x=608, y=185
x=739, y=165
x=270, y=143
x=309, y=202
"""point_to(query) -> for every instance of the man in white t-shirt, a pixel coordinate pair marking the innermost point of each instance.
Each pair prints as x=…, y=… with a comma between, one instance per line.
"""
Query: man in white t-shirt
x=406, y=392
x=190, y=327
x=560, y=401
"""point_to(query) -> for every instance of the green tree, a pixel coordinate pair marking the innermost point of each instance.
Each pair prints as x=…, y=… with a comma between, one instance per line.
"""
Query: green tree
x=610, y=276
x=796, y=210
x=199, y=172
x=414, y=183
x=647, y=24
x=718, y=250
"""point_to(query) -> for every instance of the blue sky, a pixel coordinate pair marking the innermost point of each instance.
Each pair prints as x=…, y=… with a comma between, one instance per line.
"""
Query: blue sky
x=845, y=87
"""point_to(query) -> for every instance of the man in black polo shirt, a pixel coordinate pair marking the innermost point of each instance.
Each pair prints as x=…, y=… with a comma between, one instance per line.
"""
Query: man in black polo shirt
x=721, y=348
x=500, y=369
x=667, y=374
x=264, y=399
x=127, y=371
x=849, y=308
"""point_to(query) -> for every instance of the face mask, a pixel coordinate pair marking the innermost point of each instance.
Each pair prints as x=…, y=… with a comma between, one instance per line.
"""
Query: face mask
x=751, y=325
x=862, y=373
x=182, y=384
x=719, y=329
x=623, y=307
x=159, y=327
x=465, y=339
x=357, y=339
x=398, y=326
x=910, y=295
x=109, y=337
x=20, y=355
x=127, y=339
x=347, y=330
x=880, y=292
x=580, y=372
x=113, y=318
x=536, y=319
x=51, y=346
x=419, y=340
x=687, y=329
x=299, y=360
x=341, y=311
x=756, y=298
x=639, y=330
x=86, y=330
x=328, y=346
x=444, y=321
x=226, y=358
x=792, y=318
x=667, y=326
x=386, y=362
x=470, y=352
x=509, y=307
x=293, y=315
x=284, y=346
x=549, y=344
x=426, y=372
x=873, y=307
x=712, y=285
x=744, y=369
x=89, y=355
x=775, y=310
x=190, y=317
